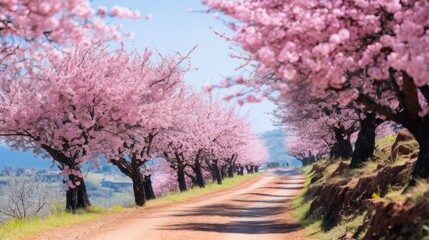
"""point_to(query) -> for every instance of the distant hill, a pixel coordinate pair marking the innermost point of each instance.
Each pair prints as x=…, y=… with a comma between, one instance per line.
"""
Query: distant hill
x=274, y=141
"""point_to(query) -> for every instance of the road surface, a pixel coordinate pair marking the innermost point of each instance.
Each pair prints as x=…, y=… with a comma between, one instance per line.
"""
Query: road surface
x=256, y=209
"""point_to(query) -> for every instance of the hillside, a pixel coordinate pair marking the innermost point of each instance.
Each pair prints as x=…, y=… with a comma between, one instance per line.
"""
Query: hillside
x=372, y=202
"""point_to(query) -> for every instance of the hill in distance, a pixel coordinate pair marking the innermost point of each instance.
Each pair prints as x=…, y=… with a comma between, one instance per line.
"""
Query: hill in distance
x=274, y=140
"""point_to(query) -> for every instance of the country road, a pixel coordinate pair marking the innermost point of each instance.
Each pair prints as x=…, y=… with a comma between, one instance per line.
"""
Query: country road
x=256, y=209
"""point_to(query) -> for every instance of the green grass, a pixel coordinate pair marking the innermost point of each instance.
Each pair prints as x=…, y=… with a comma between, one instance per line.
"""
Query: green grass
x=386, y=140
x=331, y=169
x=351, y=224
x=16, y=229
x=420, y=191
x=396, y=195
x=307, y=169
x=312, y=223
x=367, y=168
x=301, y=205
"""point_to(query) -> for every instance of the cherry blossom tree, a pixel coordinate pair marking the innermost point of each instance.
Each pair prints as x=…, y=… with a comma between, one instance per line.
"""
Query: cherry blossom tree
x=372, y=53
x=319, y=122
x=252, y=154
x=208, y=138
x=196, y=132
x=31, y=29
x=30, y=23
x=157, y=88
x=67, y=107
x=164, y=180
x=182, y=144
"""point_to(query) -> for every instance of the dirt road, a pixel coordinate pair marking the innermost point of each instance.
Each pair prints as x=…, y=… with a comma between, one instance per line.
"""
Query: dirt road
x=257, y=209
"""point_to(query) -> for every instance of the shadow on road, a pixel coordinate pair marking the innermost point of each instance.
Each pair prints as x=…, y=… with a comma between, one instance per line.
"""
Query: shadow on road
x=270, y=195
x=286, y=183
x=286, y=188
x=259, y=201
x=229, y=210
x=249, y=227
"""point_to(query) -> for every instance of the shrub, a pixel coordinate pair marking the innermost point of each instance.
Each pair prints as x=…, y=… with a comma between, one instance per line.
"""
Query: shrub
x=27, y=197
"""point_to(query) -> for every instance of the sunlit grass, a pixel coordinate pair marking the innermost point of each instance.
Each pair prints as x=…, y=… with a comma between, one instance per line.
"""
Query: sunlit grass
x=313, y=228
x=331, y=169
x=368, y=167
x=386, y=140
x=396, y=195
x=313, y=223
x=350, y=224
x=301, y=205
x=420, y=190
x=16, y=229
x=307, y=169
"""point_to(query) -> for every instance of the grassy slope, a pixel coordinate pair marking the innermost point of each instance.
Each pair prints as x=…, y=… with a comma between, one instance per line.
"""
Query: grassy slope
x=15, y=229
x=312, y=224
x=301, y=204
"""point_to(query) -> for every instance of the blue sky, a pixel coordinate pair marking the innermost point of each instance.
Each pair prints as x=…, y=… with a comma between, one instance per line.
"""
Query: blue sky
x=174, y=29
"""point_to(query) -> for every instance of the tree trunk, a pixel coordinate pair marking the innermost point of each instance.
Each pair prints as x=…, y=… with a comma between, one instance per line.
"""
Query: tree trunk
x=77, y=197
x=311, y=159
x=199, y=174
x=223, y=172
x=256, y=169
x=305, y=161
x=251, y=169
x=181, y=178
x=342, y=148
x=139, y=189
x=193, y=179
x=240, y=170
x=212, y=172
x=421, y=169
x=217, y=172
x=365, y=143
x=132, y=170
x=148, y=189
x=230, y=171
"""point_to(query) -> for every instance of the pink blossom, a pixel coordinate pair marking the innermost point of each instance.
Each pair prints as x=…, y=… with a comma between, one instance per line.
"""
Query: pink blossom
x=102, y=11
x=207, y=88
x=149, y=17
